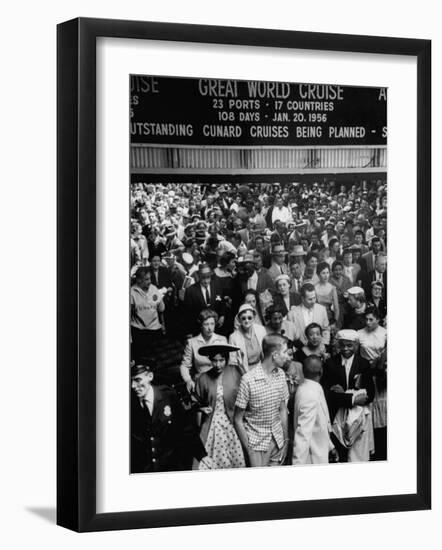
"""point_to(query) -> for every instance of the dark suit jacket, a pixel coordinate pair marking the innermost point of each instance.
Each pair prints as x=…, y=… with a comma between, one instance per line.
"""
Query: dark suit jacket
x=360, y=377
x=366, y=278
x=265, y=282
x=161, y=441
x=366, y=261
x=268, y=217
x=382, y=307
x=194, y=303
x=162, y=279
x=295, y=300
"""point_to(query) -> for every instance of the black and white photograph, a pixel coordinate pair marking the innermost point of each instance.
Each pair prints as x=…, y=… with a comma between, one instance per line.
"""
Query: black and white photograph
x=258, y=274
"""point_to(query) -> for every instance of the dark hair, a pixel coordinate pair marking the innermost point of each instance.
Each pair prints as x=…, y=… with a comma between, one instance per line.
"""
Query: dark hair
x=372, y=310
x=336, y=263
x=377, y=283
x=273, y=308
x=321, y=266
x=226, y=258
x=142, y=272
x=207, y=314
x=307, y=287
x=252, y=291
x=311, y=255
x=310, y=326
x=225, y=354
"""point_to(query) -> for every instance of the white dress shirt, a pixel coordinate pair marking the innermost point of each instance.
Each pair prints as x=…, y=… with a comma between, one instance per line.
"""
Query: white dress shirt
x=347, y=363
x=252, y=281
x=148, y=399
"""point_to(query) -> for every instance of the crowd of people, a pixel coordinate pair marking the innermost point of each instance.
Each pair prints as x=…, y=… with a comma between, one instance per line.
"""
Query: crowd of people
x=258, y=324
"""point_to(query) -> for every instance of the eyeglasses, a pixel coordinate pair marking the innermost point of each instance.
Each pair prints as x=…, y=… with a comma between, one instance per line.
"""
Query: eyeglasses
x=246, y=318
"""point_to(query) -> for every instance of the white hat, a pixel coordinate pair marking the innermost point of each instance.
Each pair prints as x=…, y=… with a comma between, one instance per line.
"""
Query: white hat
x=282, y=277
x=242, y=308
x=187, y=258
x=355, y=290
x=347, y=334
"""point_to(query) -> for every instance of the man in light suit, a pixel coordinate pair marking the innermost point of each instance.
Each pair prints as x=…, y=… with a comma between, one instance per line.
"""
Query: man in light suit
x=309, y=312
x=312, y=443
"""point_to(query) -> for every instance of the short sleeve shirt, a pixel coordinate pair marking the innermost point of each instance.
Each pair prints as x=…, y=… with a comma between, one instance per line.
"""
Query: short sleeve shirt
x=144, y=308
x=261, y=397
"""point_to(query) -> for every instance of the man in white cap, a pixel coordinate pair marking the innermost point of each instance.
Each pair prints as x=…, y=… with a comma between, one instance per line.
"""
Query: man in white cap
x=348, y=384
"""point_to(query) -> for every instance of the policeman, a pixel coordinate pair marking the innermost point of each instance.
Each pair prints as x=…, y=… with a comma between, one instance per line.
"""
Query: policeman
x=161, y=437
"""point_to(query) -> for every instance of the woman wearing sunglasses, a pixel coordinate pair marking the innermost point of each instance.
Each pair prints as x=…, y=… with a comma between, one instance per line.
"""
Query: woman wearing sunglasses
x=248, y=338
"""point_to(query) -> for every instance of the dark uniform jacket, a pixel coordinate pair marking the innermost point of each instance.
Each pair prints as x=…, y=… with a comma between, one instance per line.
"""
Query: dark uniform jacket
x=165, y=440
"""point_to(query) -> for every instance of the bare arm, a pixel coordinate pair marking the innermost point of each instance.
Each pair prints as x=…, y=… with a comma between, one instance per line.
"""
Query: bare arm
x=186, y=365
x=335, y=304
x=325, y=329
x=238, y=421
x=284, y=421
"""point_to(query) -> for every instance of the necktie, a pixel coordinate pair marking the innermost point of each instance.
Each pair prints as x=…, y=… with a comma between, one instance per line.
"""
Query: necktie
x=148, y=405
x=207, y=295
x=282, y=271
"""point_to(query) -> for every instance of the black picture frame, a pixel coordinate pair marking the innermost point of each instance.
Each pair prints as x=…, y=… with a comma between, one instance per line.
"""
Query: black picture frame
x=76, y=273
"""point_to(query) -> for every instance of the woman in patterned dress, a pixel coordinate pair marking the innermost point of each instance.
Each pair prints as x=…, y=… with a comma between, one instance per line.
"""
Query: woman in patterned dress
x=216, y=390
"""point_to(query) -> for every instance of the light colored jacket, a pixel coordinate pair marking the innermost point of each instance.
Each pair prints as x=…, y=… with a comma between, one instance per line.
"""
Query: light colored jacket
x=312, y=442
x=237, y=339
x=192, y=360
x=296, y=316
